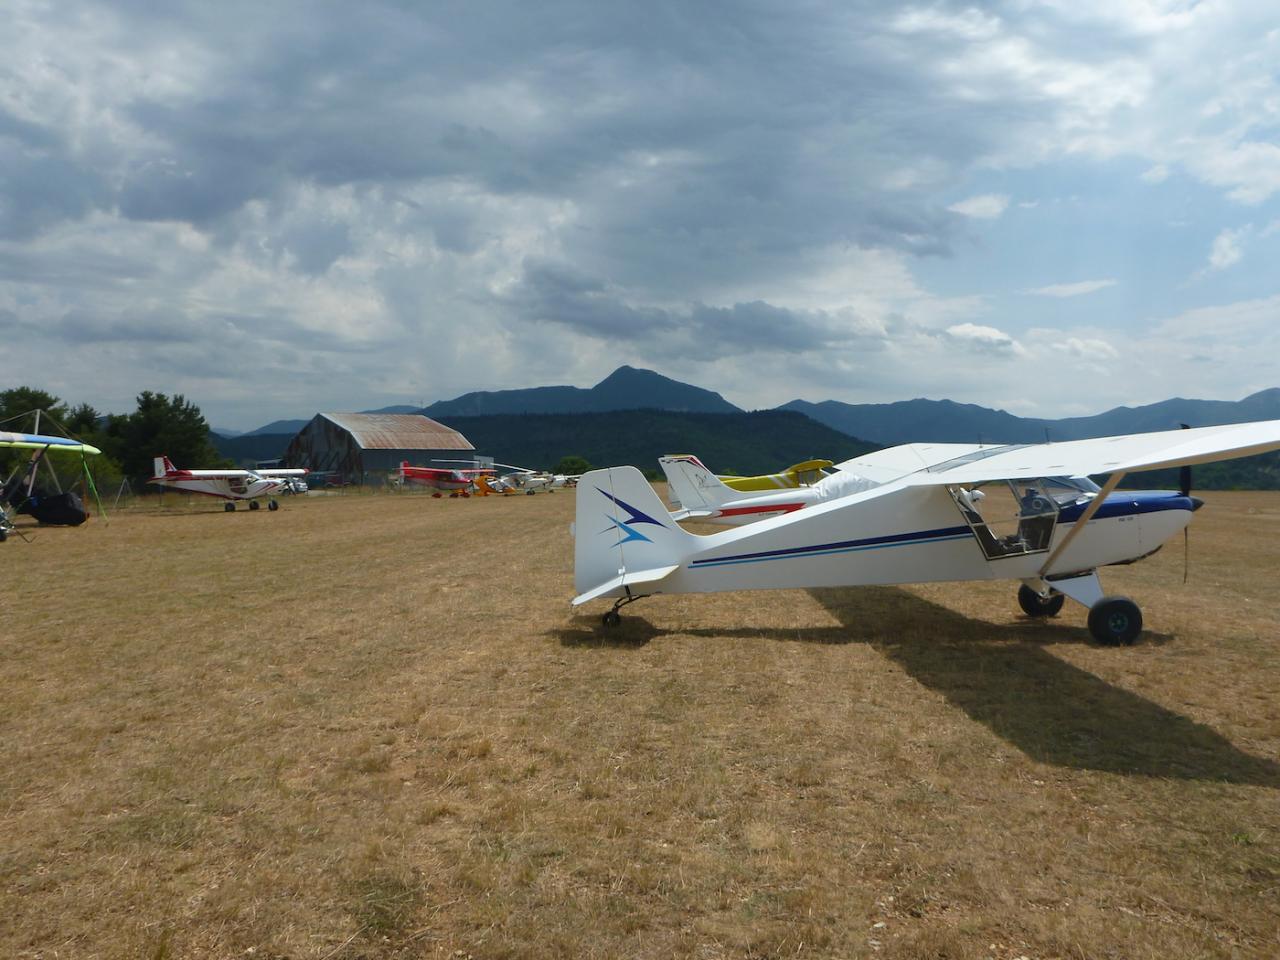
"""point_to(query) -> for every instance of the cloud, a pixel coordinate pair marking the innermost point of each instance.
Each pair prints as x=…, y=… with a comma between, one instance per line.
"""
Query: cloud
x=202, y=199
x=1086, y=348
x=988, y=206
x=984, y=339
x=1228, y=248
x=1079, y=289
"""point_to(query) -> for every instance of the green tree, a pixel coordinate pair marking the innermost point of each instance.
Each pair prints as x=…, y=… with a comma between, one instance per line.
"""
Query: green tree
x=572, y=466
x=161, y=426
x=19, y=400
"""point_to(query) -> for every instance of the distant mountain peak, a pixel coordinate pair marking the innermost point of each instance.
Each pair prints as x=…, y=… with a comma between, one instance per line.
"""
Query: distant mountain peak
x=626, y=388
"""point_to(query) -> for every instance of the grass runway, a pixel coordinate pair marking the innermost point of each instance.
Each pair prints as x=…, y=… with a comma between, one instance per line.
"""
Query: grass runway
x=369, y=726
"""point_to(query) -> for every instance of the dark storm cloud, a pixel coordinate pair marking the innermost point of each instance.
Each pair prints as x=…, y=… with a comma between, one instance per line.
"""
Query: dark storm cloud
x=555, y=294
x=784, y=121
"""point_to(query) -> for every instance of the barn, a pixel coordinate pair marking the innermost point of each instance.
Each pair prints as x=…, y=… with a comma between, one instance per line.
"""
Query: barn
x=368, y=447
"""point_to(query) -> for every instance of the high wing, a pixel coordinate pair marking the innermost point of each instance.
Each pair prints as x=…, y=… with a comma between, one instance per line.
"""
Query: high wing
x=1104, y=455
x=38, y=441
x=207, y=475
x=894, y=463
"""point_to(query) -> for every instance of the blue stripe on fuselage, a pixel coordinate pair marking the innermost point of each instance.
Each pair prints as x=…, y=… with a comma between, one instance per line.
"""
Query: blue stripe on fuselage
x=843, y=546
x=1127, y=503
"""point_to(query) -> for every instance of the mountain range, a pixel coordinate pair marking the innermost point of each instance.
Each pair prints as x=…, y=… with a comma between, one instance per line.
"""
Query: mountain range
x=904, y=421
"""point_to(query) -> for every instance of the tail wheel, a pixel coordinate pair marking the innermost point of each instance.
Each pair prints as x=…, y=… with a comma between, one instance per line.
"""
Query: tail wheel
x=1114, y=621
x=1034, y=605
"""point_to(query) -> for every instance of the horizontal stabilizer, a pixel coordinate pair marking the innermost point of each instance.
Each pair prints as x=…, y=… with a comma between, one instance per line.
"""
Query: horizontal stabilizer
x=630, y=579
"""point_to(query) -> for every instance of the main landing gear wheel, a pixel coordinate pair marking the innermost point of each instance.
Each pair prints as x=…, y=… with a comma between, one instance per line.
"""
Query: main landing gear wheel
x=1034, y=605
x=611, y=619
x=254, y=505
x=272, y=505
x=229, y=507
x=1114, y=621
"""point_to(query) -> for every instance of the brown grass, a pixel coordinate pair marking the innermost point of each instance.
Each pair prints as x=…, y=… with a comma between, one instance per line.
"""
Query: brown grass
x=370, y=727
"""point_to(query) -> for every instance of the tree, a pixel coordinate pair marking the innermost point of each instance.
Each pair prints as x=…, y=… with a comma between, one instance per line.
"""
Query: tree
x=20, y=400
x=572, y=466
x=161, y=426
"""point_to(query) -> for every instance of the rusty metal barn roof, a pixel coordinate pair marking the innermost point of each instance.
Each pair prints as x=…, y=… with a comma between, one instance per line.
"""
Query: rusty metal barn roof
x=398, y=431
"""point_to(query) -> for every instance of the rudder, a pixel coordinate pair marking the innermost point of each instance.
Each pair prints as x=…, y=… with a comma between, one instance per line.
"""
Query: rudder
x=693, y=486
x=623, y=534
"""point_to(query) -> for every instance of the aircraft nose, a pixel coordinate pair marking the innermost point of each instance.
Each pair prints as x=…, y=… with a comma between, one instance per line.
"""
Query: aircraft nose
x=1196, y=504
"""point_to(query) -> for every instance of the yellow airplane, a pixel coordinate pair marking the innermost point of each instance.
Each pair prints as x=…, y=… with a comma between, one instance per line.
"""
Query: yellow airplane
x=804, y=474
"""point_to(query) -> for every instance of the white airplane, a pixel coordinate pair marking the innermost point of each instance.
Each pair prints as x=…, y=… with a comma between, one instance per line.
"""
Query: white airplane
x=922, y=522
x=229, y=485
x=704, y=496
x=530, y=481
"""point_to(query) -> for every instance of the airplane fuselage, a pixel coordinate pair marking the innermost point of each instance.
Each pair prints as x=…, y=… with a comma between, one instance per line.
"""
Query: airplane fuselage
x=909, y=535
x=233, y=488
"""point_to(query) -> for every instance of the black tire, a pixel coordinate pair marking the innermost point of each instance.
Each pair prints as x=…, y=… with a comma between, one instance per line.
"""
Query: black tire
x=229, y=506
x=272, y=505
x=611, y=619
x=254, y=505
x=1033, y=605
x=1114, y=621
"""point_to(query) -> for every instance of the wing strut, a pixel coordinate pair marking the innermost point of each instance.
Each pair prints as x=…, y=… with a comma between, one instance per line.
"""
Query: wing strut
x=1112, y=482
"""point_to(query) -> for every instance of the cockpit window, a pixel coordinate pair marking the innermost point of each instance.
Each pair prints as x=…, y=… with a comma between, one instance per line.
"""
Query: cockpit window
x=1012, y=519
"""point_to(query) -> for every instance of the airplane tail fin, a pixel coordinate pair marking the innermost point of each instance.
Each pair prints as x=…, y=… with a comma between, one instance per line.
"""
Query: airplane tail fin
x=624, y=536
x=692, y=485
x=163, y=466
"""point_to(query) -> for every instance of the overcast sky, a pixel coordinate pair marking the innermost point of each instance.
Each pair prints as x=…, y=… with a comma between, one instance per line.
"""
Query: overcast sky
x=278, y=208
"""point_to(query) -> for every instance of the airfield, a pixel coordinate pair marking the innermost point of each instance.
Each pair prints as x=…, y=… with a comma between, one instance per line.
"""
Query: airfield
x=370, y=726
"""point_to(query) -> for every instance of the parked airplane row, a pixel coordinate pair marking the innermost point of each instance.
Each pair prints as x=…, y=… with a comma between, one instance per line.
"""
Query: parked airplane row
x=481, y=481
x=912, y=513
x=19, y=493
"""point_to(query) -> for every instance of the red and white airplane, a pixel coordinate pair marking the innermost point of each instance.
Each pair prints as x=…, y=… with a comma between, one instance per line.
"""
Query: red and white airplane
x=228, y=485
x=455, y=482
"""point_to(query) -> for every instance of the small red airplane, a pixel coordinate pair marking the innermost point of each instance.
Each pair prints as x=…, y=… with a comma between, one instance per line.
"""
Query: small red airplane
x=455, y=482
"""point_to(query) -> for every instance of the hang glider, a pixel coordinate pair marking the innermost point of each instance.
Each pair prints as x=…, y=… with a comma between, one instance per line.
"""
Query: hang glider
x=935, y=512
x=20, y=494
x=40, y=441
x=228, y=485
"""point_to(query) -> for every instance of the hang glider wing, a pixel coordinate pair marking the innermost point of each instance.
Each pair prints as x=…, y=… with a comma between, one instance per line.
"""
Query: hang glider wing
x=1105, y=455
x=38, y=441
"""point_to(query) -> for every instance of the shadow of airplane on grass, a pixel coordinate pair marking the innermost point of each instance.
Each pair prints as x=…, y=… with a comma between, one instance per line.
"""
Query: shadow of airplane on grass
x=1004, y=677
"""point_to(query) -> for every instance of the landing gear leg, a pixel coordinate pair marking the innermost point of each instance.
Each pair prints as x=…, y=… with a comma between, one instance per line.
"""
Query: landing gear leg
x=613, y=618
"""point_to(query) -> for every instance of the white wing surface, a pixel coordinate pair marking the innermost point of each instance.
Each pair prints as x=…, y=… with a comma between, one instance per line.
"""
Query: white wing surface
x=1124, y=454
x=893, y=463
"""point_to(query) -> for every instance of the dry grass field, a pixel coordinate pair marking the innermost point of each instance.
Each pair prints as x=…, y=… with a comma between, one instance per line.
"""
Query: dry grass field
x=370, y=727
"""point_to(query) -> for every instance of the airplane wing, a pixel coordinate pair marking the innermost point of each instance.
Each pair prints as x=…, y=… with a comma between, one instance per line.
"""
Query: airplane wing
x=38, y=441
x=1105, y=455
x=893, y=463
